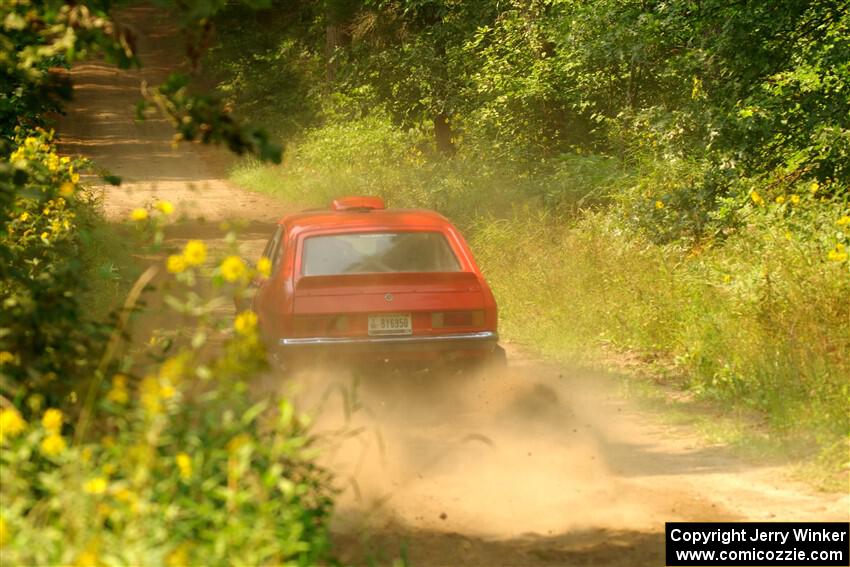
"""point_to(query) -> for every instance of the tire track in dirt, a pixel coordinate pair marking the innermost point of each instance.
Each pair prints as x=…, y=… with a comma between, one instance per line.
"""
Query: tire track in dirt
x=537, y=465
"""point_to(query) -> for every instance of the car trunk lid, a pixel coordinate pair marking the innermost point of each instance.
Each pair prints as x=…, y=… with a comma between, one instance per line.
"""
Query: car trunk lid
x=387, y=292
x=345, y=304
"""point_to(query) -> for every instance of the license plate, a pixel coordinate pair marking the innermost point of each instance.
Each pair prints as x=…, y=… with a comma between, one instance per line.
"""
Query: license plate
x=391, y=324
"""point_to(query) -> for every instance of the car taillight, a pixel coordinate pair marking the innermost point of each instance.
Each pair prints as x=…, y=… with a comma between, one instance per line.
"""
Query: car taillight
x=442, y=319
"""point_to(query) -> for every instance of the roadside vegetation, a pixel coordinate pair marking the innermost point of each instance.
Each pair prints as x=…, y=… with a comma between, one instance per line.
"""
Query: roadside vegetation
x=122, y=445
x=665, y=179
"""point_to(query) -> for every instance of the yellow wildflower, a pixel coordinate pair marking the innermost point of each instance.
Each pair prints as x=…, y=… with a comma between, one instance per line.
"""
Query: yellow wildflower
x=727, y=278
x=195, y=252
x=4, y=532
x=184, y=463
x=5, y=357
x=66, y=189
x=245, y=322
x=125, y=495
x=814, y=186
x=118, y=394
x=233, y=269
x=52, y=420
x=837, y=254
x=264, y=267
x=238, y=442
x=756, y=198
x=149, y=393
x=85, y=455
x=780, y=199
x=24, y=216
x=175, y=264
x=75, y=177
x=167, y=391
x=11, y=423
x=139, y=214
x=178, y=557
x=659, y=205
x=95, y=485
x=87, y=558
x=165, y=207
x=172, y=369
x=795, y=199
x=843, y=221
x=52, y=445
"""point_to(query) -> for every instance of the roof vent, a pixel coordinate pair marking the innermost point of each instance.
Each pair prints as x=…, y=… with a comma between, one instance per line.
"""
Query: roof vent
x=362, y=204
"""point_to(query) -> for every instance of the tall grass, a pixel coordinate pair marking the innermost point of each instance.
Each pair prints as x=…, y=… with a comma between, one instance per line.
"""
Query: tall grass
x=759, y=318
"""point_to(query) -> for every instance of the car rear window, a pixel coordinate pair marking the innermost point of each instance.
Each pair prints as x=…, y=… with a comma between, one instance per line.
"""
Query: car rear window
x=361, y=253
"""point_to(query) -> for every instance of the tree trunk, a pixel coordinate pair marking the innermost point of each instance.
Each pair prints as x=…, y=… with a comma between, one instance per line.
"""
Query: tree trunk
x=333, y=40
x=443, y=135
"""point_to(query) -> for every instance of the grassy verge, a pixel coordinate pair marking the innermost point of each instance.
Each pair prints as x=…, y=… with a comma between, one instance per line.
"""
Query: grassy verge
x=110, y=269
x=757, y=321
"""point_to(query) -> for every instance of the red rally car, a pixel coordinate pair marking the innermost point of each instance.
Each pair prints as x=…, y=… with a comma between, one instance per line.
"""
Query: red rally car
x=362, y=280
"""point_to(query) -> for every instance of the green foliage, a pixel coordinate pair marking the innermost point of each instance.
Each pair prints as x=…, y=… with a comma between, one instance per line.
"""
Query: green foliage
x=371, y=156
x=529, y=81
x=759, y=320
x=184, y=467
x=200, y=118
x=46, y=339
x=36, y=38
x=45, y=216
x=268, y=75
x=797, y=117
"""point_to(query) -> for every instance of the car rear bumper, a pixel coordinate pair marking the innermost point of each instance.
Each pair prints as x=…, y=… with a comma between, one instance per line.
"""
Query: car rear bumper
x=461, y=344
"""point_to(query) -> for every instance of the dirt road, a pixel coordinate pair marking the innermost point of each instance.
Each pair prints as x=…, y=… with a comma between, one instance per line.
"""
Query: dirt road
x=540, y=465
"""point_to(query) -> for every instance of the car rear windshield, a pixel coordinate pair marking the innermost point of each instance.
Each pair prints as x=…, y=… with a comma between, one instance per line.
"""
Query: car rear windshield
x=362, y=253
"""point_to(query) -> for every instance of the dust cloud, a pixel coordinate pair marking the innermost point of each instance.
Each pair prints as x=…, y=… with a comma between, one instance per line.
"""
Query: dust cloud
x=525, y=465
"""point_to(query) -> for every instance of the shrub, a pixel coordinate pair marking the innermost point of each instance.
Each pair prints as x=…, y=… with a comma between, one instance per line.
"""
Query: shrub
x=46, y=340
x=171, y=460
